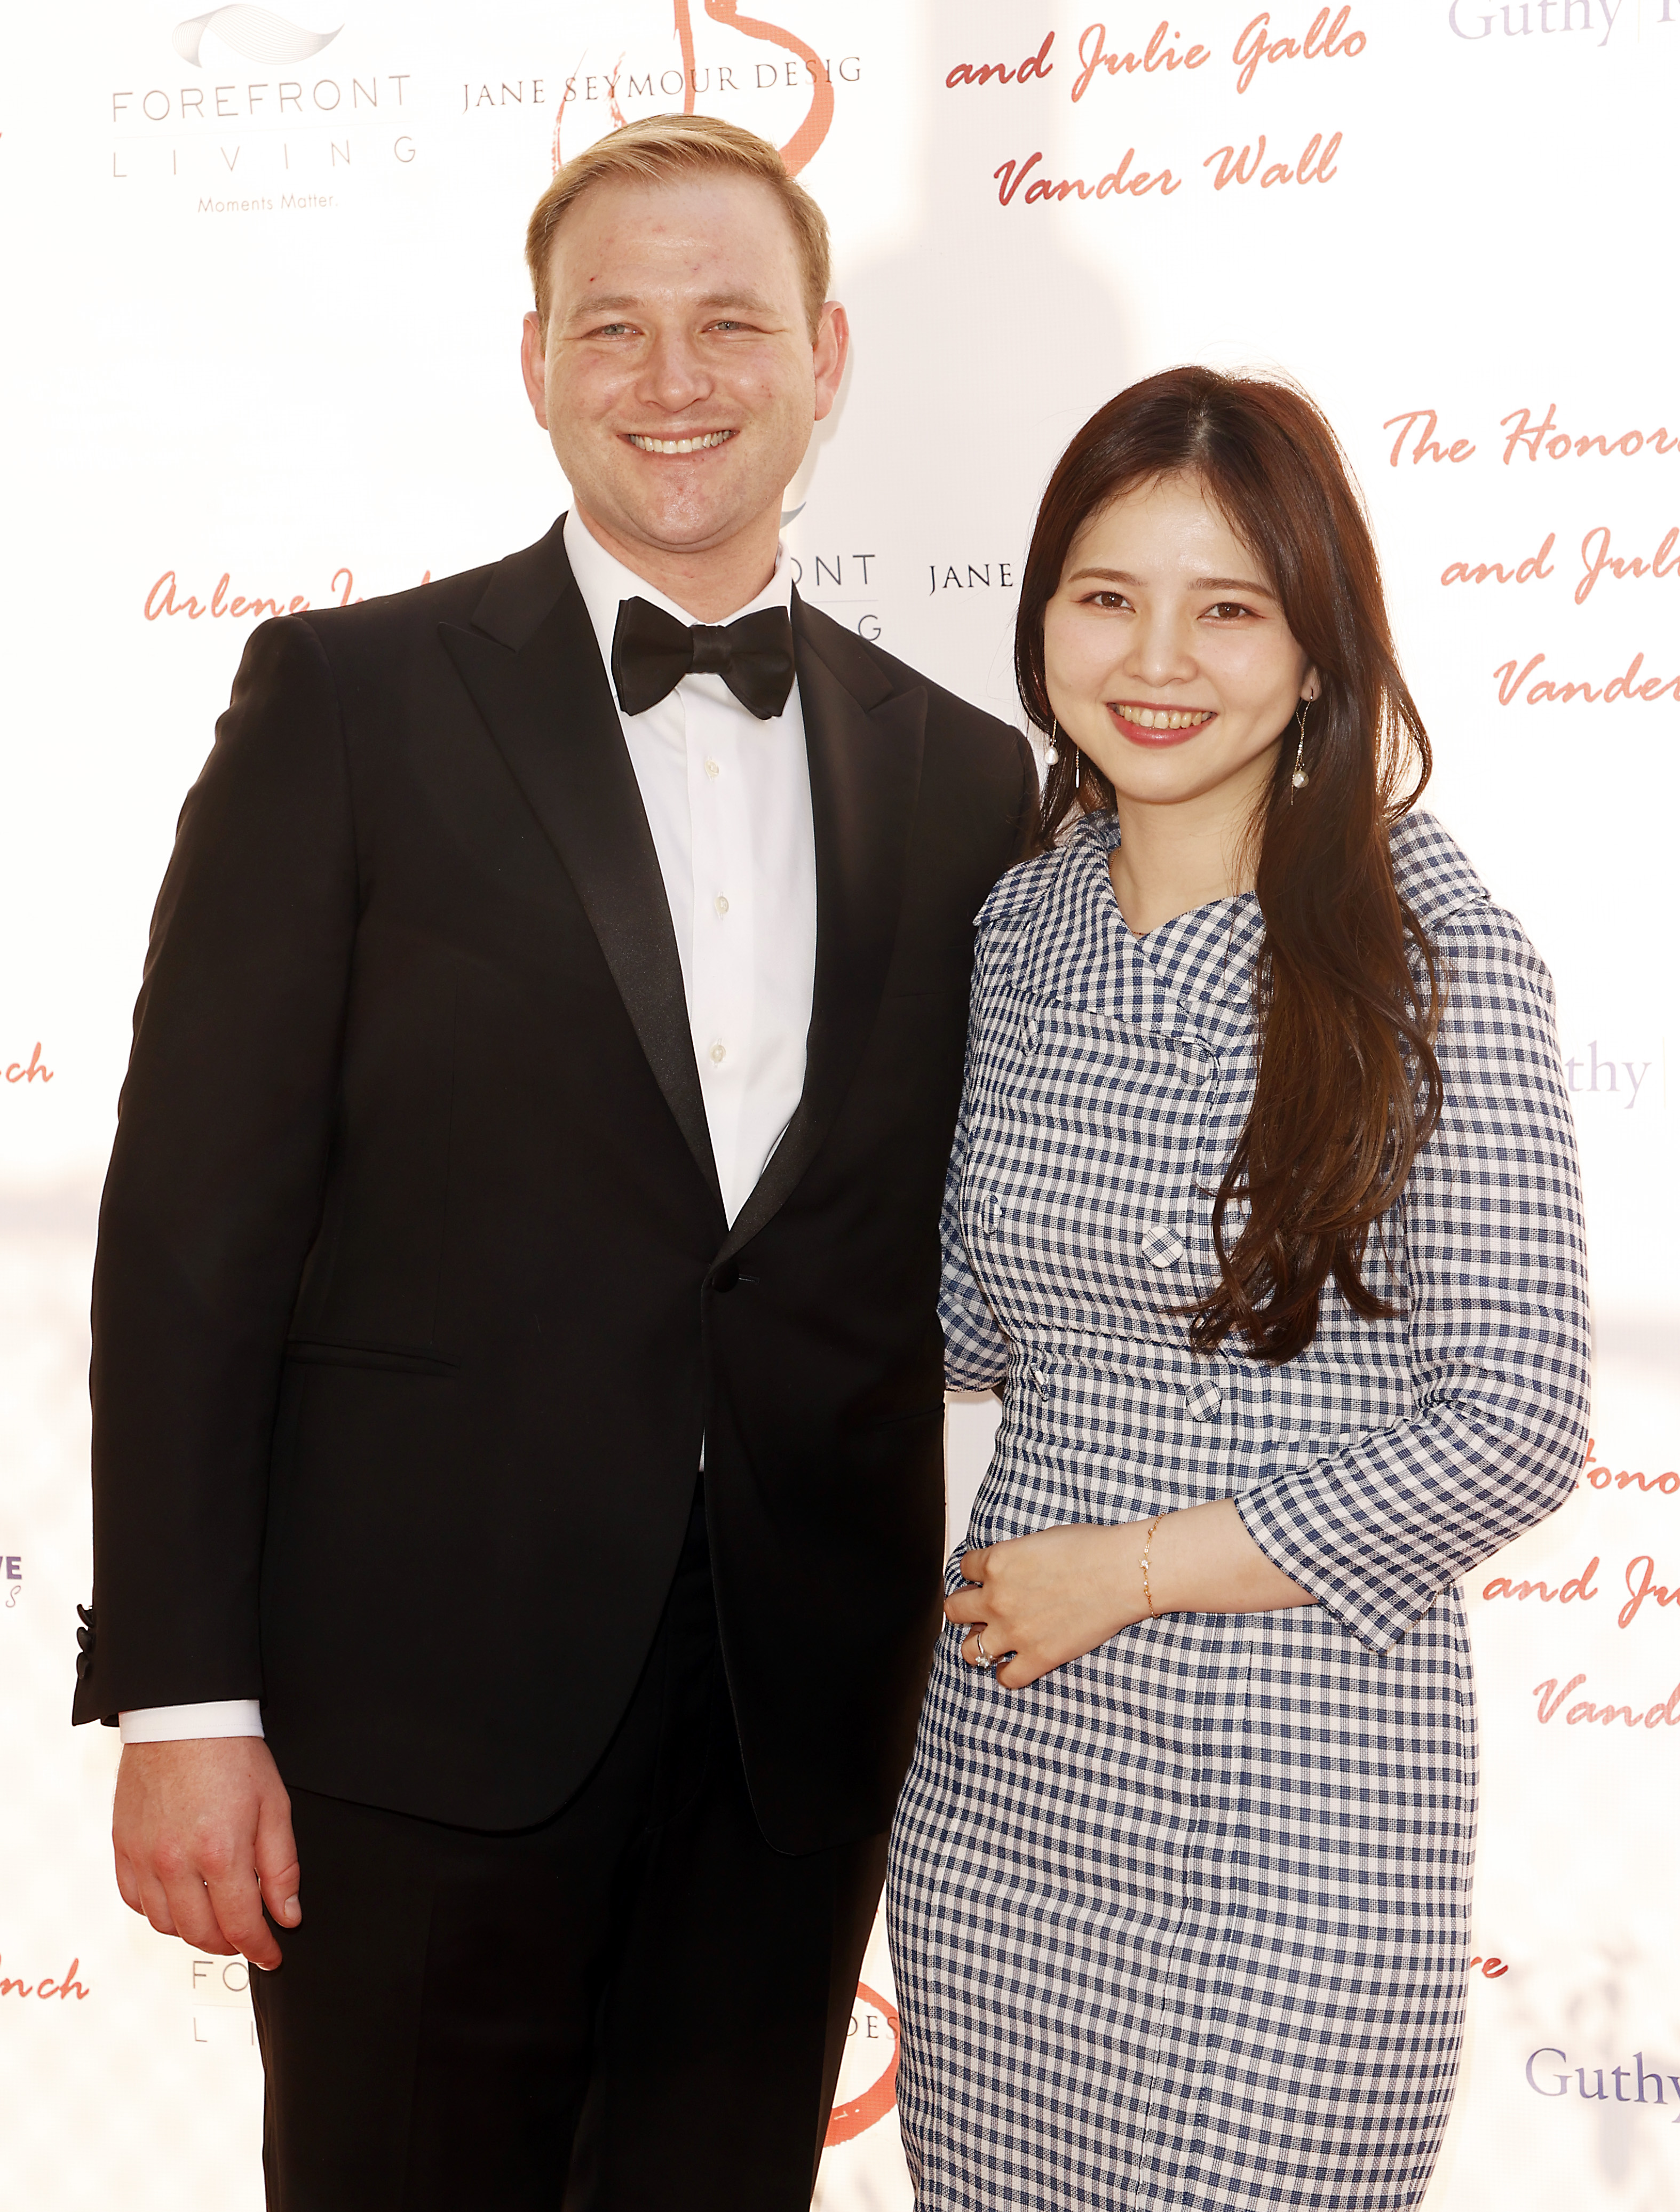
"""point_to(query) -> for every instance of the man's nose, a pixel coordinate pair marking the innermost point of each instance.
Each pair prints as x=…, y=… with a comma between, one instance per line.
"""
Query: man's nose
x=673, y=373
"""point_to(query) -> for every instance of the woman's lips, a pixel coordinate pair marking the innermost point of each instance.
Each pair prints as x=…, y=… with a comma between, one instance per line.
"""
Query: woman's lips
x=1172, y=726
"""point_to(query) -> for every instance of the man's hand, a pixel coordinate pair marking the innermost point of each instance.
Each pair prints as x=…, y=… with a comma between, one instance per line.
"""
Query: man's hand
x=202, y=1835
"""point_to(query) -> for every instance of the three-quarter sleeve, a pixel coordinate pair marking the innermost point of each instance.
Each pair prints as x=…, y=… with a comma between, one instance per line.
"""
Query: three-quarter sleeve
x=976, y=1352
x=1495, y=1253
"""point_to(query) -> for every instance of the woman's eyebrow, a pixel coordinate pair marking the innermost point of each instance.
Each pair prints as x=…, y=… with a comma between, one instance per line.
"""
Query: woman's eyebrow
x=1197, y=583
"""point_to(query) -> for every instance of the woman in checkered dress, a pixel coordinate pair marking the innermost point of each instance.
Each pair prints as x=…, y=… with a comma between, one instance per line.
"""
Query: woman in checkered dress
x=1263, y=1220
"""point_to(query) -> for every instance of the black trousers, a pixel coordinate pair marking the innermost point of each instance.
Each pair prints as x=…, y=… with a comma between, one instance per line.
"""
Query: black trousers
x=638, y=2004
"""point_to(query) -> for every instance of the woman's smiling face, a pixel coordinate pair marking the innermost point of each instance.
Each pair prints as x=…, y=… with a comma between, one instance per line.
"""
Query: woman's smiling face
x=1166, y=655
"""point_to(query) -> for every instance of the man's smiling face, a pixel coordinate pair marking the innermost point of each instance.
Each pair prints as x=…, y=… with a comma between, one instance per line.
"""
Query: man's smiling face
x=678, y=378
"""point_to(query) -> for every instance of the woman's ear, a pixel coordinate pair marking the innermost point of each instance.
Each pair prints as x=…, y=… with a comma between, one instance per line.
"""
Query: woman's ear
x=1312, y=685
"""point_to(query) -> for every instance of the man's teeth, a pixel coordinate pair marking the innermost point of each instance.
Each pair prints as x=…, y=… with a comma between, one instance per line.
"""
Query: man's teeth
x=1158, y=718
x=681, y=445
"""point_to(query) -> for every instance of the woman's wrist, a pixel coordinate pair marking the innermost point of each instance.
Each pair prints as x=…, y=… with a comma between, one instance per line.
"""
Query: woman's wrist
x=1149, y=1604
x=1202, y=1559
x=1125, y=1575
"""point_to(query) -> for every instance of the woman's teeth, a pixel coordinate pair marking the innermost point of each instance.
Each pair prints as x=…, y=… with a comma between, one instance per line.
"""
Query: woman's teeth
x=1158, y=718
x=681, y=445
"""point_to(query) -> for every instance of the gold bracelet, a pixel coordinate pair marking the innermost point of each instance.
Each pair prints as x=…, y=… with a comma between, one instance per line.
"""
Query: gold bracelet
x=1144, y=1563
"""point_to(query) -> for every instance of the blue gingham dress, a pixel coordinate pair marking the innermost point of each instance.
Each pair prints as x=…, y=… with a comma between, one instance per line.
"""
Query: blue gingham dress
x=1186, y=1922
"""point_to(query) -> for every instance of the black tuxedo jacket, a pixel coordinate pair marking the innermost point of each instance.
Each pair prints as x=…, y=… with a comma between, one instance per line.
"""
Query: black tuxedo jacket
x=414, y=1293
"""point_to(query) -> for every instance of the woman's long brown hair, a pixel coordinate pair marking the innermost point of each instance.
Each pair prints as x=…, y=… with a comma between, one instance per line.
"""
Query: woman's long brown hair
x=1347, y=988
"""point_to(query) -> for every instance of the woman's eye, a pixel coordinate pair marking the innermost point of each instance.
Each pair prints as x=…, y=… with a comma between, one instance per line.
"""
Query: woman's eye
x=1230, y=611
x=1107, y=599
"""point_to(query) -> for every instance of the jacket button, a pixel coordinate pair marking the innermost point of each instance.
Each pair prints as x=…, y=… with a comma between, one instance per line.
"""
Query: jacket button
x=727, y=1276
x=1162, y=1247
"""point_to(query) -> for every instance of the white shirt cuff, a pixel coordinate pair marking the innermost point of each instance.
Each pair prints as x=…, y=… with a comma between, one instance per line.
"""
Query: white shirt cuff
x=190, y=1723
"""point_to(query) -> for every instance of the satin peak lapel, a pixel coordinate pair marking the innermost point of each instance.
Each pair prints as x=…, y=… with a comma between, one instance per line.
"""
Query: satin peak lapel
x=866, y=770
x=534, y=671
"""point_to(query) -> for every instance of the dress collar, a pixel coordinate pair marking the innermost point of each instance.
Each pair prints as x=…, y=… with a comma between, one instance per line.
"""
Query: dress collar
x=1208, y=953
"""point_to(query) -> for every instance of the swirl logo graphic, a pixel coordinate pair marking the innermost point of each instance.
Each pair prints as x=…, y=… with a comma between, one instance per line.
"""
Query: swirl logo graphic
x=819, y=116
x=852, y=2115
x=257, y=34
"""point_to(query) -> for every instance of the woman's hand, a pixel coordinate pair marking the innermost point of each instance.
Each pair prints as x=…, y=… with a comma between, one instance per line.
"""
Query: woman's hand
x=1049, y=1597
x=1056, y=1595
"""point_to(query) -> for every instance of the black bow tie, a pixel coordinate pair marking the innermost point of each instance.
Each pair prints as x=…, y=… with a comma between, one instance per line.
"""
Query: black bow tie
x=651, y=652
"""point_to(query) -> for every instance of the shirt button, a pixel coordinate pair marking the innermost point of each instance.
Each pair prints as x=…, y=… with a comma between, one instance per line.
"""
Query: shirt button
x=713, y=769
x=721, y=903
x=719, y=1050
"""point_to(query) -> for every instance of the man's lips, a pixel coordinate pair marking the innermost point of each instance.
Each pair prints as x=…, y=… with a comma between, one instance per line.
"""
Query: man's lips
x=692, y=441
x=1158, y=725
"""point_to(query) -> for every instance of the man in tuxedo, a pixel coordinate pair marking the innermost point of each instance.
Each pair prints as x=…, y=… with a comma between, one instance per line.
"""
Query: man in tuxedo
x=516, y=1377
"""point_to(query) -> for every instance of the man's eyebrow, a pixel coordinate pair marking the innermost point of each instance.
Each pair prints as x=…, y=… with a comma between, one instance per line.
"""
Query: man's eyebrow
x=755, y=301
x=1197, y=583
x=627, y=303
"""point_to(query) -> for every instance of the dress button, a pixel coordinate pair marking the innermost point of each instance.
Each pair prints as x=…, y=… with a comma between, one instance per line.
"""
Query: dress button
x=726, y=1277
x=1029, y=1033
x=713, y=770
x=1161, y=1246
x=719, y=1052
x=721, y=903
x=1195, y=1062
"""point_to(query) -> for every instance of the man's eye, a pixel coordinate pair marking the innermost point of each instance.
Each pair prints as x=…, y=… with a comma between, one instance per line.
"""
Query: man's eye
x=615, y=331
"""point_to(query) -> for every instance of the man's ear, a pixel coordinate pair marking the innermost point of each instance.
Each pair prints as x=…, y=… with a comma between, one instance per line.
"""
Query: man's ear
x=533, y=365
x=828, y=351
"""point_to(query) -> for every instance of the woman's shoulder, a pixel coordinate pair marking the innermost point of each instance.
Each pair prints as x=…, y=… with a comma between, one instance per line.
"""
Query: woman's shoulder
x=1433, y=875
x=1019, y=888
x=1431, y=871
x=1031, y=882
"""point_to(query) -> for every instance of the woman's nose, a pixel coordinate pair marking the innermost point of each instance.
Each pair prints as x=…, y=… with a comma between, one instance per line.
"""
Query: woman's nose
x=1160, y=651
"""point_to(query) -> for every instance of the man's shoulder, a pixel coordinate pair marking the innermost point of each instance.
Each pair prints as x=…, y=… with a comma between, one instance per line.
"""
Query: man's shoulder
x=873, y=676
x=388, y=617
x=536, y=574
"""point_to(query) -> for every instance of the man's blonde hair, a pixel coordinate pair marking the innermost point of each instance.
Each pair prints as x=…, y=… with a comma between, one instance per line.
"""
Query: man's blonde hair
x=659, y=148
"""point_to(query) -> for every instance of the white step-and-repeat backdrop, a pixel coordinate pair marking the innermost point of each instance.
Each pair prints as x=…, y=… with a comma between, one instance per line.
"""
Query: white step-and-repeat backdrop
x=262, y=287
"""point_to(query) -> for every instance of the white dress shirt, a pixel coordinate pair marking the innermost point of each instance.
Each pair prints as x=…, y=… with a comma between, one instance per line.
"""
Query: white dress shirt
x=729, y=801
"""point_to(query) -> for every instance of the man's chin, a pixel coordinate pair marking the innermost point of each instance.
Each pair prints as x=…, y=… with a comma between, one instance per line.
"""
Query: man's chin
x=679, y=523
